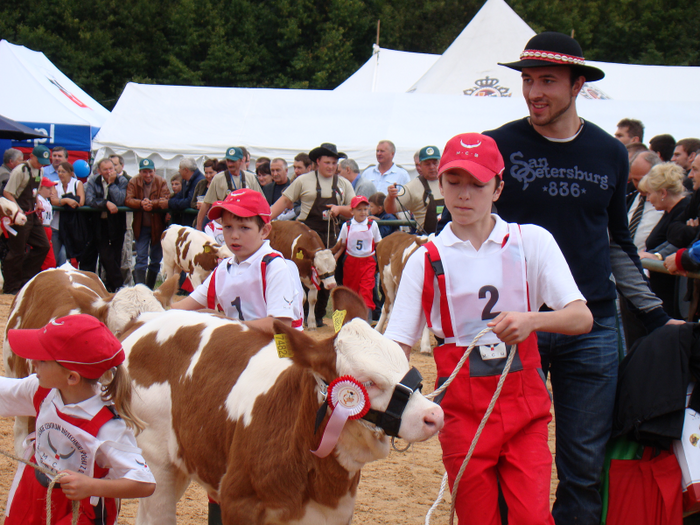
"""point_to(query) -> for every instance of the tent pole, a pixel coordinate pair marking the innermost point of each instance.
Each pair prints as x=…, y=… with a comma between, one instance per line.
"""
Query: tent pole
x=376, y=63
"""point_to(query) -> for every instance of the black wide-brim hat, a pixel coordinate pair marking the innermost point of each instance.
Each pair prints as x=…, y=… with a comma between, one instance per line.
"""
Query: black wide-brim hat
x=555, y=49
x=326, y=150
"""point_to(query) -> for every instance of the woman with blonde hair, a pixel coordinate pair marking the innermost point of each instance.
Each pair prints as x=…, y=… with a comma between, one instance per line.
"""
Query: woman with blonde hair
x=664, y=188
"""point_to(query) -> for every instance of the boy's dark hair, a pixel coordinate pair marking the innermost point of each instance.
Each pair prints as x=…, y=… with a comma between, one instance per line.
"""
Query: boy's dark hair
x=304, y=157
x=257, y=219
x=377, y=199
x=664, y=146
x=635, y=128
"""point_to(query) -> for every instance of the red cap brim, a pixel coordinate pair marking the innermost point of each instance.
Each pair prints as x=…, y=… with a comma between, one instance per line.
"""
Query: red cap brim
x=473, y=168
x=217, y=210
x=26, y=343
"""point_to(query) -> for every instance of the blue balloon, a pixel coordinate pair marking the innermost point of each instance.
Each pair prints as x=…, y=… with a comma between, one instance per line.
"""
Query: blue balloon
x=81, y=169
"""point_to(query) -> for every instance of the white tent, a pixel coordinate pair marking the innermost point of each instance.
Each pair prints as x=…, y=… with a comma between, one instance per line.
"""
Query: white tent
x=389, y=71
x=497, y=34
x=470, y=65
x=166, y=123
x=36, y=93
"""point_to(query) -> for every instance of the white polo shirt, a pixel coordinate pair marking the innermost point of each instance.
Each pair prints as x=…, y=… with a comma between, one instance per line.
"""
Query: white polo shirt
x=548, y=278
x=395, y=174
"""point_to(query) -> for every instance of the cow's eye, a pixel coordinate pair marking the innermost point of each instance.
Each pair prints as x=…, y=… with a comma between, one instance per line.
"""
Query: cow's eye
x=368, y=384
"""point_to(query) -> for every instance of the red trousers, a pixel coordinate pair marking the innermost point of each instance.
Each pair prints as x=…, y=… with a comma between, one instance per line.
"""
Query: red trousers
x=358, y=275
x=28, y=506
x=512, y=448
x=50, y=261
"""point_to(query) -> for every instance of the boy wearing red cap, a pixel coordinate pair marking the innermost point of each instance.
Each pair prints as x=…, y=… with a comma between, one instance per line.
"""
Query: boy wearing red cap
x=46, y=189
x=482, y=272
x=84, y=428
x=251, y=286
x=358, y=237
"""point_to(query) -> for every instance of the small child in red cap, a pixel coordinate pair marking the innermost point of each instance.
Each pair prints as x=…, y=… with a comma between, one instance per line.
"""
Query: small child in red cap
x=43, y=199
x=252, y=285
x=84, y=428
x=358, y=237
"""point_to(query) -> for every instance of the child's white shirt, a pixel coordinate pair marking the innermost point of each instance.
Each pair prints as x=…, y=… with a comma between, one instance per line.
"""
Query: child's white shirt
x=359, y=238
x=118, y=450
x=548, y=278
x=239, y=288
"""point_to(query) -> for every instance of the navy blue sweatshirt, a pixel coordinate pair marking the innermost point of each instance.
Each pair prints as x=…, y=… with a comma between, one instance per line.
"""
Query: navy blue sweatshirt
x=575, y=190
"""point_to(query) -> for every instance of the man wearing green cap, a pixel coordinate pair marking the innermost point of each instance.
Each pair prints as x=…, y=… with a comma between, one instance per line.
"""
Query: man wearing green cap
x=146, y=193
x=223, y=183
x=422, y=195
x=21, y=264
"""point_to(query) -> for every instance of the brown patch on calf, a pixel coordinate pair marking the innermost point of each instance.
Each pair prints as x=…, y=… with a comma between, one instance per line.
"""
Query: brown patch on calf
x=283, y=235
x=167, y=290
x=51, y=295
x=208, y=258
x=345, y=299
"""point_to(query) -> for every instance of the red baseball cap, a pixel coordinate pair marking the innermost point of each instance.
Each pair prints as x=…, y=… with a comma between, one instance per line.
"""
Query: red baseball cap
x=78, y=342
x=474, y=153
x=47, y=183
x=357, y=200
x=242, y=203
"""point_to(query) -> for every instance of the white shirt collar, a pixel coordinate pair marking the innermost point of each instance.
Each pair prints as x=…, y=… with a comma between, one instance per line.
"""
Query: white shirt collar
x=499, y=232
x=259, y=254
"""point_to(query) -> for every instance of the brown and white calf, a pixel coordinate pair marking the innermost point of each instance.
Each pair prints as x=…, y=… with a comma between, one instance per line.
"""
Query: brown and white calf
x=60, y=291
x=10, y=214
x=392, y=254
x=191, y=251
x=299, y=243
x=223, y=408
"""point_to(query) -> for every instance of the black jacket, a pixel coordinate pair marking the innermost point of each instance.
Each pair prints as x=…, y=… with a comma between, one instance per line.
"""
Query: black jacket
x=652, y=384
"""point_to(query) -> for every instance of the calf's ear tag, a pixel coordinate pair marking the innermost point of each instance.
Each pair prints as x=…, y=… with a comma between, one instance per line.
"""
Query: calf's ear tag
x=300, y=255
x=338, y=318
x=282, y=344
x=207, y=248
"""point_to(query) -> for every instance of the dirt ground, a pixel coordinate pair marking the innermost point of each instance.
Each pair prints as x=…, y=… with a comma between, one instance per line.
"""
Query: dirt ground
x=397, y=490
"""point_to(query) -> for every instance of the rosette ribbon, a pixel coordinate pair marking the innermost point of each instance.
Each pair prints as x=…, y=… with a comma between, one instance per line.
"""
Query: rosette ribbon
x=348, y=399
x=6, y=228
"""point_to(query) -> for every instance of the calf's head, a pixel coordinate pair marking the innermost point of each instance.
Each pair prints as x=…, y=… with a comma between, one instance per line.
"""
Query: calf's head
x=130, y=302
x=324, y=262
x=381, y=367
x=12, y=211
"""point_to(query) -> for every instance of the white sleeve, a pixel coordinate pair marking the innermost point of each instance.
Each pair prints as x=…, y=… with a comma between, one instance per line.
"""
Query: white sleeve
x=17, y=396
x=343, y=237
x=120, y=453
x=548, y=275
x=375, y=232
x=407, y=317
x=280, y=290
x=199, y=294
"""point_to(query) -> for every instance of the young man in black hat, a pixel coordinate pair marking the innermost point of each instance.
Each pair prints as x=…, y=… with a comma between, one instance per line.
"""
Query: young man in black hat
x=569, y=176
x=324, y=195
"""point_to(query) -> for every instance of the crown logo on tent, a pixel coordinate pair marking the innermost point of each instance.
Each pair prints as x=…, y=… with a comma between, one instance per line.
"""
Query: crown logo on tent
x=487, y=87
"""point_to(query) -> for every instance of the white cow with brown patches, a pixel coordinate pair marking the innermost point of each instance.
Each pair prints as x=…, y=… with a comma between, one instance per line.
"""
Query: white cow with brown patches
x=191, y=251
x=65, y=291
x=223, y=408
x=10, y=214
x=392, y=255
x=299, y=243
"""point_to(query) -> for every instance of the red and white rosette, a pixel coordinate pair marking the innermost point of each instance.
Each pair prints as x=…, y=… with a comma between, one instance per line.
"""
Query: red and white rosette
x=348, y=399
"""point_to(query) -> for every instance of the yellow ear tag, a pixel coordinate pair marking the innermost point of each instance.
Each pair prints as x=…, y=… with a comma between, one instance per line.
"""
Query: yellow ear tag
x=207, y=248
x=338, y=318
x=282, y=344
x=300, y=254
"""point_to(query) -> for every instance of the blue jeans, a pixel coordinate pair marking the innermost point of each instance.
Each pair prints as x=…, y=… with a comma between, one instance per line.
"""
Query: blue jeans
x=583, y=371
x=59, y=250
x=146, y=250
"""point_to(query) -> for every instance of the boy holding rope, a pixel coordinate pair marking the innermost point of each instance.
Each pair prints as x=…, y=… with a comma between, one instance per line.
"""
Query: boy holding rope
x=482, y=272
x=81, y=397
